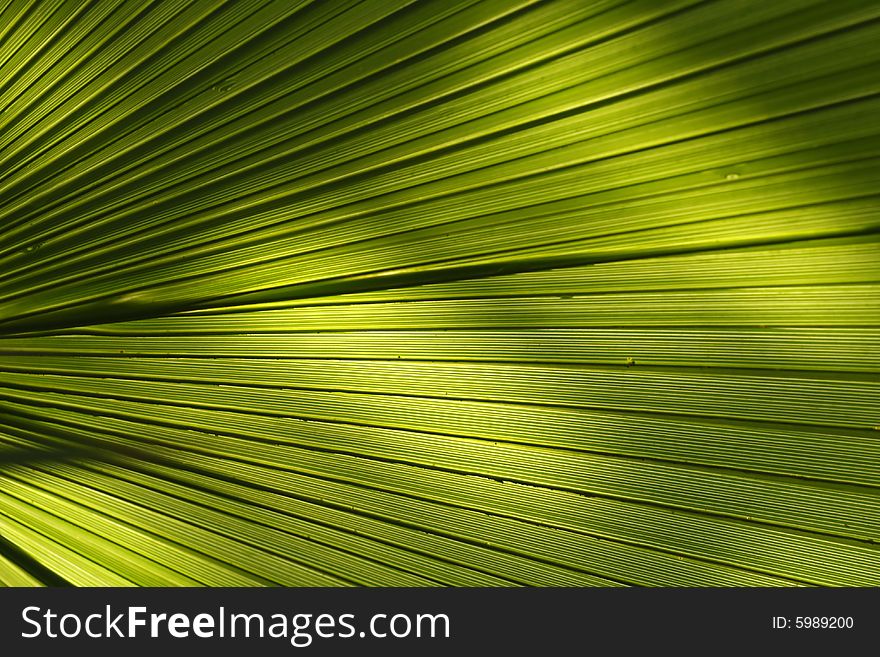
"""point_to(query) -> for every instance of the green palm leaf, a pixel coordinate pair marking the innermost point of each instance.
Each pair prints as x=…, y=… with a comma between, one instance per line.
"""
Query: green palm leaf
x=468, y=293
